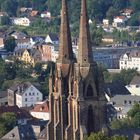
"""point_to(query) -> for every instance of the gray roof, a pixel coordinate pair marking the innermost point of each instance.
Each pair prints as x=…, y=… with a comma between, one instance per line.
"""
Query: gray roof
x=116, y=88
x=21, y=132
x=53, y=37
x=20, y=87
x=125, y=100
x=20, y=35
x=3, y=94
x=135, y=80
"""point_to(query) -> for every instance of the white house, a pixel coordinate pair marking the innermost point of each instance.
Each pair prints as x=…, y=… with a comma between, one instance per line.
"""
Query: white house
x=52, y=38
x=27, y=95
x=123, y=103
x=130, y=60
x=23, y=44
x=21, y=21
x=127, y=12
x=119, y=21
x=41, y=111
x=134, y=86
x=105, y=22
x=46, y=14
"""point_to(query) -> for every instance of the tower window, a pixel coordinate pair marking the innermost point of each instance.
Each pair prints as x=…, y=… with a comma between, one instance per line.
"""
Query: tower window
x=90, y=121
x=89, y=91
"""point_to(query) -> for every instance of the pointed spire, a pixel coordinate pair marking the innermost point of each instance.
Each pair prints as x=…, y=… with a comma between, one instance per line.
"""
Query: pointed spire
x=85, y=48
x=65, y=46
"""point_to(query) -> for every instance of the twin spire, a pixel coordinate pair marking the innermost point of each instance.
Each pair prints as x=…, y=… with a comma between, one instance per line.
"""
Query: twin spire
x=65, y=48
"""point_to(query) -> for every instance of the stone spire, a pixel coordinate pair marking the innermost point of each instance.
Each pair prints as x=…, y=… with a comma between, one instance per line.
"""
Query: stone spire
x=85, y=48
x=65, y=46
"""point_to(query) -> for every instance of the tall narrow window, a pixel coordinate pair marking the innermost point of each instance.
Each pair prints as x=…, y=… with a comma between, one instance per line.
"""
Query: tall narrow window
x=90, y=120
x=89, y=91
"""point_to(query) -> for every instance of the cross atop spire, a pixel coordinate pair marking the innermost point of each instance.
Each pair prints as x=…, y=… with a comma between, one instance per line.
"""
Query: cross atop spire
x=85, y=48
x=65, y=46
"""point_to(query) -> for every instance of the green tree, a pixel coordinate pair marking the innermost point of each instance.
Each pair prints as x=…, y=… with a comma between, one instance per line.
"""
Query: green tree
x=10, y=44
x=135, y=4
x=7, y=122
x=38, y=68
x=101, y=136
x=9, y=6
x=5, y=20
x=96, y=34
x=111, y=13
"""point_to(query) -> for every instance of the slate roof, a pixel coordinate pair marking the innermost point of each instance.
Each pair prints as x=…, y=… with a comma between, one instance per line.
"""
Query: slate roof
x=20, y=86
x=116, y=88
x=21, y=132
x=20, y=35
x=135, y=80
x=43, y=134
x=3, y=94
x=53, y=37
x=125, y=100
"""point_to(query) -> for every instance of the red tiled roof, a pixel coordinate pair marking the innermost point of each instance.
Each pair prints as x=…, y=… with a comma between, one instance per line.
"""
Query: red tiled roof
x=121, y=17
x=44, y=107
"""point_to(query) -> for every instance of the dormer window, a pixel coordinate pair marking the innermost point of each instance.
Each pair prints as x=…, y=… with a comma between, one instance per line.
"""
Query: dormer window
x=137, y=86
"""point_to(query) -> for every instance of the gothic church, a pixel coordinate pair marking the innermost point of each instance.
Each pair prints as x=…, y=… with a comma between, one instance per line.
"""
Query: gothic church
x=76, y=101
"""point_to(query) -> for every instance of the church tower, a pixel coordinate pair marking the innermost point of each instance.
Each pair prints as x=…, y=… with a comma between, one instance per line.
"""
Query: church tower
x=76, y=100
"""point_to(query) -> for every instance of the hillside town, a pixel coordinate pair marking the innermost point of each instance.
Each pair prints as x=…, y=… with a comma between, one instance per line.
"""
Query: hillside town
x=57, y=85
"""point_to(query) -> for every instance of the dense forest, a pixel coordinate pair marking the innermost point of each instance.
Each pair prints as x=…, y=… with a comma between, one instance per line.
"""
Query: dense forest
x=97, y=9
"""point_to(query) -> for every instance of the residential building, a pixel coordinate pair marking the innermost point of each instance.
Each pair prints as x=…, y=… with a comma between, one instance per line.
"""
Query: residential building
x=52, y=38
x=1, y=43
x=46, y=14
x=34, y=13
x=22, y=116
x=105, y=22
x=21, y=21
x=31, y=56
x=19, y=35
x=3, y=98
x=3, y=14
x=134, y=86
x=130, y=60
x=36, y=39
x=119, y=21
x=41, y=110
x=23, y=44
x=24, y=95
x=107, y=39
x=23, y=132
x=127, y=12
x=110, y=89
x=123, y=103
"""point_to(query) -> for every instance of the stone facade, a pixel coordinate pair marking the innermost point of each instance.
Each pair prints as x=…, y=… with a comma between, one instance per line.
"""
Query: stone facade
x=76, y=101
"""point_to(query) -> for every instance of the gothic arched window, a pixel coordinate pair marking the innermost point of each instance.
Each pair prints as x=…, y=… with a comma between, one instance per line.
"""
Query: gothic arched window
x=89, y=91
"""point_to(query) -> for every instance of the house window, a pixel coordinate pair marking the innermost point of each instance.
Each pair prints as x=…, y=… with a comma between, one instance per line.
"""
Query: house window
x=37, y=98
x=37, y=93
x=33, y=93
x=129, y=102
x=125, y=101
x=114, y=103
x=25, y=99
x=29, y=93
x=25, y=94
